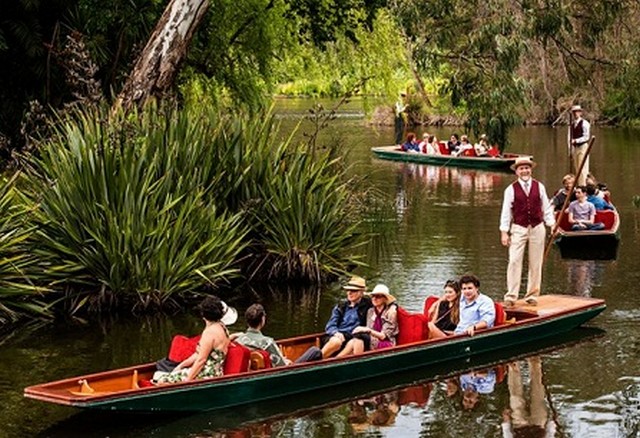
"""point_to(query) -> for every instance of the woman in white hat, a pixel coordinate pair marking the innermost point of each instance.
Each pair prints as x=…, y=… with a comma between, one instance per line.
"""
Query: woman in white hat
x=382, y=324
x=211, y=351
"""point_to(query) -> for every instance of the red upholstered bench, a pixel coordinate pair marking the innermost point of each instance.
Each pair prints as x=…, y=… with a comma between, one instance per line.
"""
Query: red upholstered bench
x=444, y=150
x=607, y=217
x=412, y=327
x=237, y=360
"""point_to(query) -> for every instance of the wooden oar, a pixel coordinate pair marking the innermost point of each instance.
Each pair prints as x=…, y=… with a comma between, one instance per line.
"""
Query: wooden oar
x=554, y=232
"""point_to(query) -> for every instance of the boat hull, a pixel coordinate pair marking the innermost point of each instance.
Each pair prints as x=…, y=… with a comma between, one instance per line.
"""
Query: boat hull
x=590, y=245
x=267, y=384
x=486, y=163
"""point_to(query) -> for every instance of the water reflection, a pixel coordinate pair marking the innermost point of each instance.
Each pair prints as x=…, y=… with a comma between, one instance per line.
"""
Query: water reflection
x=444, y=183
x=583, y=275
x=527, y=416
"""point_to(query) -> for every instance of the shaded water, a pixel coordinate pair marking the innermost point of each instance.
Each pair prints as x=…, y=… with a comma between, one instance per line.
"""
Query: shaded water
x=444, y=223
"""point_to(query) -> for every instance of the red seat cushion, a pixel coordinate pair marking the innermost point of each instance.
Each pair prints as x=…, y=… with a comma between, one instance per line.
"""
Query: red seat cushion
x=564, y=222
x=444, y=150
x=431, y=299
x=469, y=153
x=501, y=316
x=237, y=360
x=607, y=217
x=182, y=347
x=493, y=151
x=412, y=327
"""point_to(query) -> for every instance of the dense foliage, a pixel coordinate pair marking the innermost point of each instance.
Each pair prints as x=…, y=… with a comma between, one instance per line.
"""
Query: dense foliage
x=141, y=208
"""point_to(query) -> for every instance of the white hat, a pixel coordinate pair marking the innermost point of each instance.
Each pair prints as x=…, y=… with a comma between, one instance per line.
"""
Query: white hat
x=523, y=161
x=229, y=314
x=576, y=108
x=381, y=289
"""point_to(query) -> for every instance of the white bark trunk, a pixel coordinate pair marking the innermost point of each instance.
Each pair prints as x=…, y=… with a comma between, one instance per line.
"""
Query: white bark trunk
x=157, y=65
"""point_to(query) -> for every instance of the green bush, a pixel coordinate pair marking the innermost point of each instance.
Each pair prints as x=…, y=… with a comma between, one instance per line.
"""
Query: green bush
x=124, y=211
x=17, y=294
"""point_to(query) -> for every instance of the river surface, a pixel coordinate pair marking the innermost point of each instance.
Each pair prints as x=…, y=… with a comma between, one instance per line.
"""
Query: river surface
x=443, y=223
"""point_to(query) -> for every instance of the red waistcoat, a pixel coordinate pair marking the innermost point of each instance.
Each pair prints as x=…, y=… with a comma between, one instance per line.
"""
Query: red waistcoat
x=527, y=210
x=577, y=130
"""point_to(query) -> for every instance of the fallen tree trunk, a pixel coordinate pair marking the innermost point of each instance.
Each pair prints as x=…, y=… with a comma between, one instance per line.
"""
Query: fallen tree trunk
x=157, y=65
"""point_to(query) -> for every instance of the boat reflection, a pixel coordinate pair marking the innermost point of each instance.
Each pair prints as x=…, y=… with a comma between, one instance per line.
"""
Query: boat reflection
x=583, y=275
x=406, y=403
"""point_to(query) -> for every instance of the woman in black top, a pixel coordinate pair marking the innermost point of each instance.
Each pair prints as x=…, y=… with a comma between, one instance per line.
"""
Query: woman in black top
x=444, y=314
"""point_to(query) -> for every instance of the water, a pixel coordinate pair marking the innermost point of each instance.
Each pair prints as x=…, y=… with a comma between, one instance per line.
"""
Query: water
x=444, y=222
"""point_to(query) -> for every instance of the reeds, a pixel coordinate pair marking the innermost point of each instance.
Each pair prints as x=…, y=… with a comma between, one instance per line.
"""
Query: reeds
x=140, y=208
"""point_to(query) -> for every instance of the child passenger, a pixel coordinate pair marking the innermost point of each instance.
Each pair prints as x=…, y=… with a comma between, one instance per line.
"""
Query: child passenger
x=444, y=314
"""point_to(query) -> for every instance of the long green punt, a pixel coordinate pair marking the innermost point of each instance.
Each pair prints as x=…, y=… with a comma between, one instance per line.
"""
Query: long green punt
x=501, y=163
x=117, y=390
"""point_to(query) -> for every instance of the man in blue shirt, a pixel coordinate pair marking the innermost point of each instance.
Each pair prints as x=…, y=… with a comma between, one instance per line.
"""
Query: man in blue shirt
x=346, y=316
x=477, y=311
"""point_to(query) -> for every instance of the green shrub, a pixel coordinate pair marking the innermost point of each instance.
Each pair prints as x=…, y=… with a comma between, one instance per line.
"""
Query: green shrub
x=17, y=295
x=124, y=211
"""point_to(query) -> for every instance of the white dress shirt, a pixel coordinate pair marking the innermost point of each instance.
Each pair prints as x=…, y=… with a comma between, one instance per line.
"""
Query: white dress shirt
x=506, y=216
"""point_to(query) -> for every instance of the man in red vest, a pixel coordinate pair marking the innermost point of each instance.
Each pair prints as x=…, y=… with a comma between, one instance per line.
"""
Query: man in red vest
x=525, y=211
x=579, y=135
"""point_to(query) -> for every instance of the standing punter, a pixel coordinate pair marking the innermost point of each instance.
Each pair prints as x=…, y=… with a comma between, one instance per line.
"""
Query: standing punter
x=579, y=135
x=525, y=207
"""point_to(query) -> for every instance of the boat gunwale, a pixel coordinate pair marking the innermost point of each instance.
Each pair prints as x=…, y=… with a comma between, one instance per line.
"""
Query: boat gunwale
x=39, y=392
x=392, y=150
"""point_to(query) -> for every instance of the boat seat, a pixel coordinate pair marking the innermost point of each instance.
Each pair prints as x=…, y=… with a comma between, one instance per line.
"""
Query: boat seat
x=237, y=360
x=493, y=152
x=469, y=153
x=412, y=327
x=259, y=360
x=444, y=150
x=182, y=347
x=428, y=302
x=607, y=217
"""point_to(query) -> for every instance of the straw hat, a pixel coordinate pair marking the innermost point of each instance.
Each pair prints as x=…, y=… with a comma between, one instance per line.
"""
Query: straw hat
x=229, y=314
x=576, y=108
x=381, y=289
x=355, y=283
x=523, y=161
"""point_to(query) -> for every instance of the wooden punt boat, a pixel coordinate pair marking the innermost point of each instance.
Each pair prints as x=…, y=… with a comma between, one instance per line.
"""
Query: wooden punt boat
x=117, y=390
x=497, y=163
x=590, y=245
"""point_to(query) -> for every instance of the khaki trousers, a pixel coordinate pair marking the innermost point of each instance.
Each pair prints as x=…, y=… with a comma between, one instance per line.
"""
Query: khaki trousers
x=520, y=236
x=578, y=153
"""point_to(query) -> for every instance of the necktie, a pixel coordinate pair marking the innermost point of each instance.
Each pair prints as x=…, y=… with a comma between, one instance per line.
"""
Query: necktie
x=526, y=187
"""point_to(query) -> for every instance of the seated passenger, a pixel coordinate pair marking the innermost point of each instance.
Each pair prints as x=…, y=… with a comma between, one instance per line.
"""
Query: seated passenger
x=253, y=338
x=444, y=314
x=477, y=311
x=411, y=145
x=345, y=316
x=423, y=144
x=211, y=351
x=382, y=324
x=582, y=214
x=431, y=147
x=601, y=188
x=464, y=146
x=561, y=195
x=598, y=203
x=453, y=144
x=482, y=147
